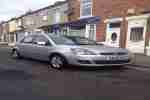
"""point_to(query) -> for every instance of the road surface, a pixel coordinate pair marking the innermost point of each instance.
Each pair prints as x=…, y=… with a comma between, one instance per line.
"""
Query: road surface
x=26, y=79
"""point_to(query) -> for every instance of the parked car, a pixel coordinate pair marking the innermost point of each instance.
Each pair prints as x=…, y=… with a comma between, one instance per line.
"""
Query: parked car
x=61, y=51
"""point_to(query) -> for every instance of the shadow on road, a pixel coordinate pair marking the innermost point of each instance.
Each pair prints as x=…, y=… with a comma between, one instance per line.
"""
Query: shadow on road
x=96, y=69
x=75, y=68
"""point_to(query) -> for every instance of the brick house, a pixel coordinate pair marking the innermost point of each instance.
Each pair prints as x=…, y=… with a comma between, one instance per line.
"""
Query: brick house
x=123, y=23
x=117, y=23
x=1, y=30
x=56, y=14
x=4, y=30
x=12, y=31
x=44, y=18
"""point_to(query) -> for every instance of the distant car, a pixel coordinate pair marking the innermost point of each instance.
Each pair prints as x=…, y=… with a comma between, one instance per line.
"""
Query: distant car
x=61, y=51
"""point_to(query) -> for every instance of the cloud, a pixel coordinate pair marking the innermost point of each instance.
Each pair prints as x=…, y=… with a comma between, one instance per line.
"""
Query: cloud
x=12, y=8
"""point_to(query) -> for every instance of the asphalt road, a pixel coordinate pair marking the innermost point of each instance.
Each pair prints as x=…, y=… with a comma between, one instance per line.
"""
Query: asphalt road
x=26, y=79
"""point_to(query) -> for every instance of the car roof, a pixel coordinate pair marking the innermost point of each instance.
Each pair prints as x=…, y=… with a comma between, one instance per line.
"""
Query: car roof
x=75, y=37
x=52, y=34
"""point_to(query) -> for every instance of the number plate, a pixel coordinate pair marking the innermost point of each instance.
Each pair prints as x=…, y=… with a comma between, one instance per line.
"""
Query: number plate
x=115, y=58
x=112, y=58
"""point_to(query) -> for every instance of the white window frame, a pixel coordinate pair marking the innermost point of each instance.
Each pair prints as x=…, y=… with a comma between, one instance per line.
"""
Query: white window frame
x=30, y=22
x=45, y=18
x=57, y=16
x=135, y=35
x=81, y=9
x=141, y=21
x=89, y=29
x=19, y=22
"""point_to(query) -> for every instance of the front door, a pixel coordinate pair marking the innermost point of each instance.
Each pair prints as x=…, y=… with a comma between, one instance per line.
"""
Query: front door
x=113, y=34
x=25, y=46
x=40, y=51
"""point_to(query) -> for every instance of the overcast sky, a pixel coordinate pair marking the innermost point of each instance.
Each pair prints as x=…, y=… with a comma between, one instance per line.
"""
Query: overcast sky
x=12, y=8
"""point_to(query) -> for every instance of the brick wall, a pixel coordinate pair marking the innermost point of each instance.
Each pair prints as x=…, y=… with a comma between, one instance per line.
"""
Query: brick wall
x=109, y=9
x=74, y=12
x=116, y=8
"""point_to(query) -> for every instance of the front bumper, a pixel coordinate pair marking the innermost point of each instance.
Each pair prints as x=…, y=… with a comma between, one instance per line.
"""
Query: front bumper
x=95, y=61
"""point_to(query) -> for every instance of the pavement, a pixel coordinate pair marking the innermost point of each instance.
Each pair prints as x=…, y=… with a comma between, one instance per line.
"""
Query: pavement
x=142, y=60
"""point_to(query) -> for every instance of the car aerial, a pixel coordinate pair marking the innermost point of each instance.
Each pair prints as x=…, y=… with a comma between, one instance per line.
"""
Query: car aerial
x=61, y=51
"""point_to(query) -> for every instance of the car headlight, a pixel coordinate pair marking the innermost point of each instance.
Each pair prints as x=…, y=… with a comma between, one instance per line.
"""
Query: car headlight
x=80, y=51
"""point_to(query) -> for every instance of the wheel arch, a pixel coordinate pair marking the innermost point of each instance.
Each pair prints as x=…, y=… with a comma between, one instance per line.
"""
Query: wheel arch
x=59, y=54
x=14, y=49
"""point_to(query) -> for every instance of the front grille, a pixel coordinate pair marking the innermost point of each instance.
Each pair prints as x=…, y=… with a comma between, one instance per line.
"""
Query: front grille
x=122, y=53
x=107, y=53
x=111, y=62
x=113, y=53
x=84, y=62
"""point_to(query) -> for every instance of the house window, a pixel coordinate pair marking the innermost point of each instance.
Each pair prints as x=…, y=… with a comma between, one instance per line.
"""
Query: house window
x=45, y=18
x=86, y=8
x=136, y=34
x=57, y=17
x=92, y=32
x=19, y=23
x=30, y=22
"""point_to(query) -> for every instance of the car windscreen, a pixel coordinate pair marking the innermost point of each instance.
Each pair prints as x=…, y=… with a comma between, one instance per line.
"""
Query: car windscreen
x=61, y=40
x=82, y=41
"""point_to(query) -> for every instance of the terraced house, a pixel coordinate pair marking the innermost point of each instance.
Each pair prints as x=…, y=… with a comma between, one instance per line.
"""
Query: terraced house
x=15, y=28
x=123, y=23
x=44, y=19
x=4, y=29
x=53, y=16
x=119, y=23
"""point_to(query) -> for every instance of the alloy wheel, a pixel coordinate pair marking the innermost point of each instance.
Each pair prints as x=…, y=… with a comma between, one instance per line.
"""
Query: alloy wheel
x=57, y=62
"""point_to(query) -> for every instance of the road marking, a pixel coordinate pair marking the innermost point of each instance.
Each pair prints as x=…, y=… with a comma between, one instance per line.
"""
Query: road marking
x=139, y=68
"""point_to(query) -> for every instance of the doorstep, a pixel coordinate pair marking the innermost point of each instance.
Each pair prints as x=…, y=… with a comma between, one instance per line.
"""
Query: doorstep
x=141, y=60
x=140, y=65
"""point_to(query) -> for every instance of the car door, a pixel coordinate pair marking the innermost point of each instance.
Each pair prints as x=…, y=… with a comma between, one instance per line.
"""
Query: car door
x=41, y=47
x=25, y=46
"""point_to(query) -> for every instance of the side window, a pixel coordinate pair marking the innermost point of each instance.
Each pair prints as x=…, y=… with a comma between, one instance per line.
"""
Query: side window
x=41, y=39
x=28, y=39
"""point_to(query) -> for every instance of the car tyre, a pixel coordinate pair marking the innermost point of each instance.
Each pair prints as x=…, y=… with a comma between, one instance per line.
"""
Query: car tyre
x=57, y=62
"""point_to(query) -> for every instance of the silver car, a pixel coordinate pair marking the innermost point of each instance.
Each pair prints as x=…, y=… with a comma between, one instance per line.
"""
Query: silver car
x=61, y=51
